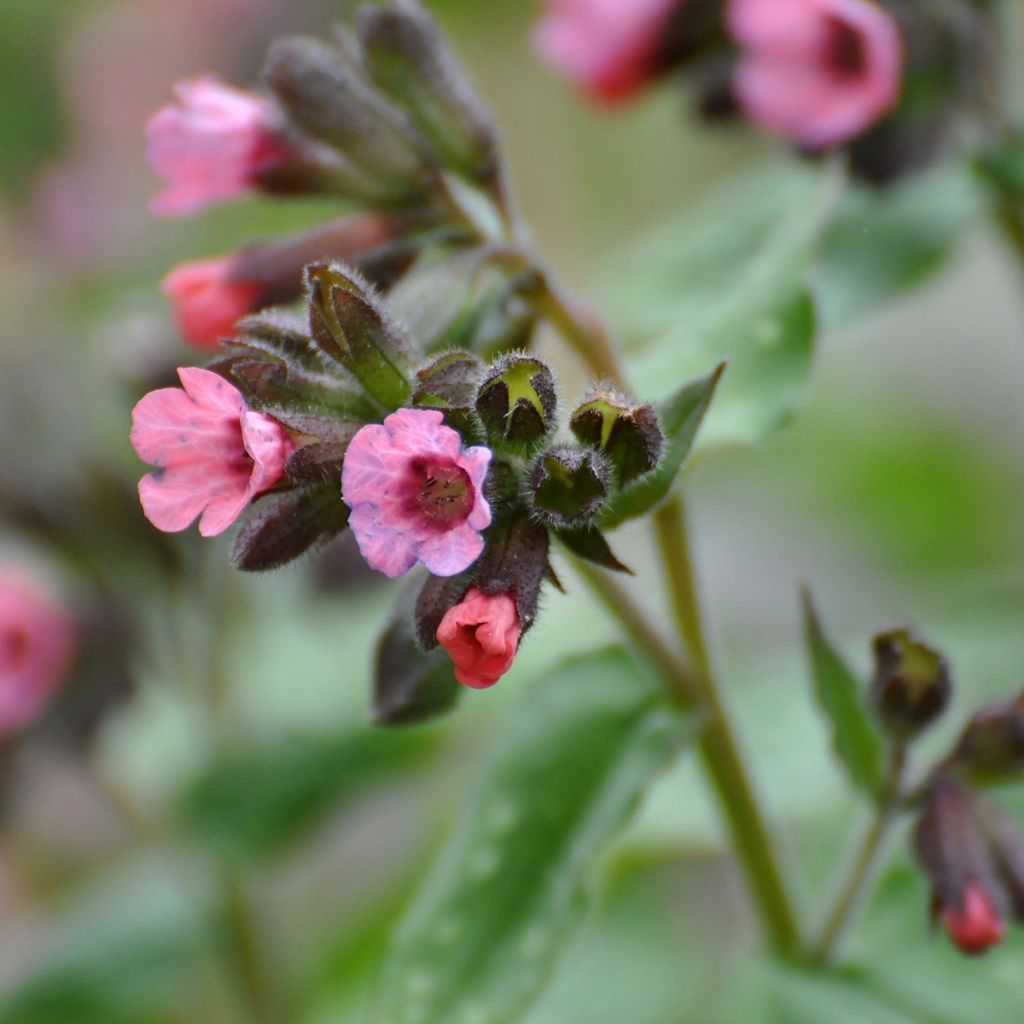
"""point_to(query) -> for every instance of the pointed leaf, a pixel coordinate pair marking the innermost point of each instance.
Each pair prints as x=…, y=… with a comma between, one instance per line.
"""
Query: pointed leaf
x=681, y=417
x=495, y=913
x=589, y=543
x=855, y=737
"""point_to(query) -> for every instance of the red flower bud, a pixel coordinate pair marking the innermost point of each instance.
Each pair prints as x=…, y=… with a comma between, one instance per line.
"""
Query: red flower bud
x=976, y=924
x=207, y=301
x=481, y=635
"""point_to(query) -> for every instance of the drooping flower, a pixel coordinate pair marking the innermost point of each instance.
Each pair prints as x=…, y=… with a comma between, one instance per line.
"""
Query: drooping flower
x=976, y=924
x=818, y=72
x=213, y=454
x=416, y=495
x=212, y=145
x=37, y=644
x=609, y=48
x=207, y=301
x=481, y=635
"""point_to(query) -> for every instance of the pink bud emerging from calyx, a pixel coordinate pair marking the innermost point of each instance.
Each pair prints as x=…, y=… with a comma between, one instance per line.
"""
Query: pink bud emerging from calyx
x=481, y=634
x=976, y=925
x=214, y=455
x=207, y=301
x=818, y=72
x=37, y=644
x=212, y=145
x=416, y=495
x=609, y=48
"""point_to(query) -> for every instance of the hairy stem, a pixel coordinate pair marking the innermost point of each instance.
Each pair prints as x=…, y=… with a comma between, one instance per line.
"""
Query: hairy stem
x=719, y=747
x=866, y=862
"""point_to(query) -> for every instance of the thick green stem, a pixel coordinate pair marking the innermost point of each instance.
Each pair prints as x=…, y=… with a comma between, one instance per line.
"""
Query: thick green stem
x=719, y=748
x=865, y=864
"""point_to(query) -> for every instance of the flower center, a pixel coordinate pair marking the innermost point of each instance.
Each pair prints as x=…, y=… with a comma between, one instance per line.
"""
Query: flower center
x=443, y=492
x=846, y=53
x=14, y=646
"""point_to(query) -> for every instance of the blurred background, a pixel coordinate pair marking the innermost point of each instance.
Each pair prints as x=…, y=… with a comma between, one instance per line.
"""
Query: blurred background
x=207, y=771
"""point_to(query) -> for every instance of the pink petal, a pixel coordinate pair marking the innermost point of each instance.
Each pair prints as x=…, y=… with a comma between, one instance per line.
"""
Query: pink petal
x=174, y=497
x=373, y=469
x=269, y=446
x=207, y=302
x=476, y=461
x=384, y=549
x=447, y=554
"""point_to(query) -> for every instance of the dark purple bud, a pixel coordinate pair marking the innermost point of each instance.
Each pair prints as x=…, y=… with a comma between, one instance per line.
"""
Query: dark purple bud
x=629, y=435
x=449, y=382
x=991, y=747
x=569, y=485
x=516, y=402
x=911, y=686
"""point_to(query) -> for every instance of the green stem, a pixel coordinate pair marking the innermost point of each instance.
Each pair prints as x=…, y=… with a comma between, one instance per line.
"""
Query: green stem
x=719, y=748
x=865, y=864
x=246, y=952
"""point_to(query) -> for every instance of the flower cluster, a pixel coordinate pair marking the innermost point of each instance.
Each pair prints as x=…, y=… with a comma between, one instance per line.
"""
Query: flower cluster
x=819, y=73
x=334, y=402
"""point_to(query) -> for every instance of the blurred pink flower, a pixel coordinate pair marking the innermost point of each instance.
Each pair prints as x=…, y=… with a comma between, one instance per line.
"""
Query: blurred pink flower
x=207, y=302
x=212, y=145
x=415, y=494
x=214, y=455
x=819, y=72
x=37, y=645
x=609, y=48
x=976, y=925
x=481, y=635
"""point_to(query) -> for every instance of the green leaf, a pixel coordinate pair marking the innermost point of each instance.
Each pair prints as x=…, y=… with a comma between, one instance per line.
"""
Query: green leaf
x=681, y=417
x=494, y=915
x=256, y=803
x=856, y=739
x=589, y=543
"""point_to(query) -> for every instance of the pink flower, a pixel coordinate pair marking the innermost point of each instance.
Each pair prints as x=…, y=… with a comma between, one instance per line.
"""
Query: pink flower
x=819, y=72
x=212, y=146
x=207, y=302
x=415, y=495
x=976, y=925
x=214, y=455
x=481, y=635
x=609, y=48
x=37, y=644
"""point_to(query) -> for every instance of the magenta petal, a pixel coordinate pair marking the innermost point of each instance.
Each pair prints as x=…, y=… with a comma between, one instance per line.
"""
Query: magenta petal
x=476, y=461
x=384, y=549
x=447, y=554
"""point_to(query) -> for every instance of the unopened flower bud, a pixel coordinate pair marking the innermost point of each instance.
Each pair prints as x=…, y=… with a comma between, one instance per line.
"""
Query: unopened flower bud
x=481, y=635
x=911, y=687
x=516, y=402
x=953, y=850
x=449, y=383
x=991, y=747
x=629, y=435
x=569, y=485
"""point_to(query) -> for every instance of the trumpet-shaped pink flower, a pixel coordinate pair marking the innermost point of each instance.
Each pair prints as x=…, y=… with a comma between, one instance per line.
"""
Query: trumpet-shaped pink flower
x=481, y=635
x=609, y=48
x=977, y=924
x=207, y=301
x=214, y=455
x=819, y=72
x=415, y=494
x=37, y=645
x=212, y=145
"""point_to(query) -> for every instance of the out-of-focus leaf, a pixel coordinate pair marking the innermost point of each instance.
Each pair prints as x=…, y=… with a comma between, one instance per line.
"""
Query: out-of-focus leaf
x=681, y=417
x=883, y=243
x=798, y=997
x=258, y=802
x=494, y=914
x=854, y=735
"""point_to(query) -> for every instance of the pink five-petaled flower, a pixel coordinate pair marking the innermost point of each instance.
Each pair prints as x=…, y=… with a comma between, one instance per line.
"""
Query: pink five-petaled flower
x=415, y=494
x=819, y=72
x=609, y=48
x=976, y=925
x=214, y=455
x=37, y=644
x=212, y=145
x=207, y=301
x=481, y=634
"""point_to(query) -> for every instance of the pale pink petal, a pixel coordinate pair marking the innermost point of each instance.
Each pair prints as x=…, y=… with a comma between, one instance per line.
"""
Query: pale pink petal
x=383, y=548
x=373, y=469
x=211, y=390
x=421, y=432
x=448, y=553
x=269, y=446
x=175, y=496
x=476, y=461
